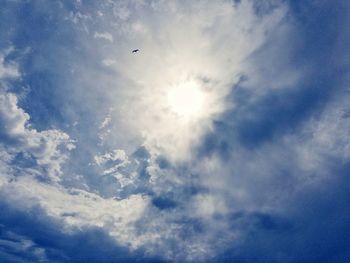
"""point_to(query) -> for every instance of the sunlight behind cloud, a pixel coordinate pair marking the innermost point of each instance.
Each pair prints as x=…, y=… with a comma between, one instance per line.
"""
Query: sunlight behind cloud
x=217, y=129
x=186, y=100
x=169, y=93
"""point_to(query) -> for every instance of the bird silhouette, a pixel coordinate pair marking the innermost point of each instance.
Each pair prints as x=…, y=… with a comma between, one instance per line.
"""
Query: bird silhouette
x=135, y=50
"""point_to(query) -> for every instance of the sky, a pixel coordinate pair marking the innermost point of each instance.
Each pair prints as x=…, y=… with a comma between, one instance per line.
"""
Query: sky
x=225, y=138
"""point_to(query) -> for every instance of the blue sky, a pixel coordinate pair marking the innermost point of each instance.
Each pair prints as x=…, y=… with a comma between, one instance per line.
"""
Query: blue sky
x=224, y=139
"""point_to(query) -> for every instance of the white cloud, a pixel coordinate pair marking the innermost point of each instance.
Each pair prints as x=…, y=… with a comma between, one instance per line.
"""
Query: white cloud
x=114, y=156
x=206, y=43
x=104, y=35
x=78, y=208
x=20, y=137
x=328, y=137
x=121, y=11
x=74, y=207
x=108, y=62
x=43, y=146
x=14, y=119
x=8, y=69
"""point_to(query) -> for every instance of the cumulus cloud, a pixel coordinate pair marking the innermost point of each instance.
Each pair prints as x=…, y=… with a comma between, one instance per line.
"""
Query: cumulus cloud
x=43, y=146
x=116, y=155
x=18, y=137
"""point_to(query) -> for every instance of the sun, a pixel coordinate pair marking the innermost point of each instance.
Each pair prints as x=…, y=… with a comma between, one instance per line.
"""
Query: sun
x=186, y=100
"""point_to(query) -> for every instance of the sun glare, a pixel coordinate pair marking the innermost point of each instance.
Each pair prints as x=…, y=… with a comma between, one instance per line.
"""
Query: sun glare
x=186, y=100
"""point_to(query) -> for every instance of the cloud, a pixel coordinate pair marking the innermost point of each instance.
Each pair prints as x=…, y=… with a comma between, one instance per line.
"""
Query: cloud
x=77, y=208
x=8, y=69
x=74, y=207
x=17, y=248
x=31, y=169
x=44, y=151
x=43, y=146
x=214, y=59
x=105, y=35
x=49, y=243
x=95, y=152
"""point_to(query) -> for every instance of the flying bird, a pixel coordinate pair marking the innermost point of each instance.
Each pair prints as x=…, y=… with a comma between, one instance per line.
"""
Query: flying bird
x=135, y=50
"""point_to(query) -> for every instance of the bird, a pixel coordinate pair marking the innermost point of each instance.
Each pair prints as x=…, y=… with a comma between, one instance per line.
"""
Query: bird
x=135, y=50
